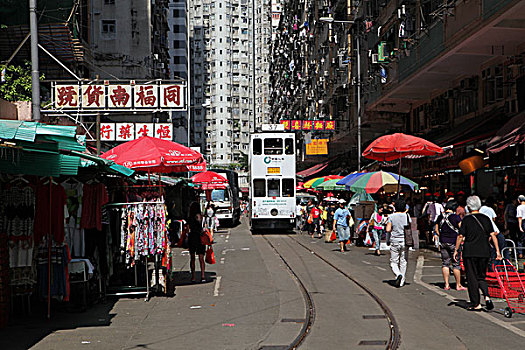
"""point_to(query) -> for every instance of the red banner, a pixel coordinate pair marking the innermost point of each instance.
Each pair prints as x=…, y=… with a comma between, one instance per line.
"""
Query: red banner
x=307, y=125
x=296, y=125
x=286, y=124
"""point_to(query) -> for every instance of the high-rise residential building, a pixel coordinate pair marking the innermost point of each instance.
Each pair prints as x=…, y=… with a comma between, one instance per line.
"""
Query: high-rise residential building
x=178, y=60
x=222, y=78
x=263, y=37
x=128, y=39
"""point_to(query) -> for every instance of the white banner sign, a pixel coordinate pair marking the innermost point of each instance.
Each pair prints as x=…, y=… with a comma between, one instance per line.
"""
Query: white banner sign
x=132, y=131
x=156, y=96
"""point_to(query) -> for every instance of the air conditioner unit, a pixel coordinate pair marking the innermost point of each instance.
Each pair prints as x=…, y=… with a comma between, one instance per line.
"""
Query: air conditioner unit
x=374, y=58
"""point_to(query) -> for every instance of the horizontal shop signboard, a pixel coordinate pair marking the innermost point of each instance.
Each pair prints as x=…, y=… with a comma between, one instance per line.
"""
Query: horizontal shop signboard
x=309, y=125
x=116, y=96
x=132, y=131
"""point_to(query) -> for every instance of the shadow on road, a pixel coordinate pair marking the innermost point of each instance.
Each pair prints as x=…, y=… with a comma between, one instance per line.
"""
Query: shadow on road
x=26, y=331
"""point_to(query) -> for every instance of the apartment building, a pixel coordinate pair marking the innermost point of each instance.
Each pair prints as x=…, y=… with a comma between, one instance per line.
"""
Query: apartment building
x=178, y=41
x=222, y=78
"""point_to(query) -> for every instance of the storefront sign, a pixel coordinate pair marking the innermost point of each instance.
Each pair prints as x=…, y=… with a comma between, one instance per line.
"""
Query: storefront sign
x=130, y=96
x=132, y=131
x=317, y=147
x=317, y=125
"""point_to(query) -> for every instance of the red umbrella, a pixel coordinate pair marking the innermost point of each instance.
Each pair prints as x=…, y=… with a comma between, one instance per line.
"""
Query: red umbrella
x=396, y=146
x=210, y=180
x=155, y=155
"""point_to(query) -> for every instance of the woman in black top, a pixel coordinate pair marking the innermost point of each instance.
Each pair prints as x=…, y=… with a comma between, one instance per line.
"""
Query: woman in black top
x=194, y=240
x=475, y=231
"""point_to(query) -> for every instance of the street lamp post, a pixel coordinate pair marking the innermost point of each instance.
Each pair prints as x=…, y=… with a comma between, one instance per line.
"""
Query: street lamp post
x=358, y=49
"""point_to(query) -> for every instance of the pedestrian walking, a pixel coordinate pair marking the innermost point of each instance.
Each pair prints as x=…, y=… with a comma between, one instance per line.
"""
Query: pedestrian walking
x=195, y=222
x=315, y=218
x=395, y=238
x=447, y=226
x=511, y=220
x=377, y=226
x=520, y=214
x=475, y=231
x=210, y=219
x=342, y=222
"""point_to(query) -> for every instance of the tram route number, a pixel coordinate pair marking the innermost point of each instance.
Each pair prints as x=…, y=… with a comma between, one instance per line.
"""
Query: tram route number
x=273, y=170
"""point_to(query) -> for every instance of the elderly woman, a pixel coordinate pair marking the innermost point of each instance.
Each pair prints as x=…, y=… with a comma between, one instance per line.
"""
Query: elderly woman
x=475, y=231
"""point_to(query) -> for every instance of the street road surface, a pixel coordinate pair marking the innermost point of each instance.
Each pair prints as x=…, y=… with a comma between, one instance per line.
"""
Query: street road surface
x=270, y=291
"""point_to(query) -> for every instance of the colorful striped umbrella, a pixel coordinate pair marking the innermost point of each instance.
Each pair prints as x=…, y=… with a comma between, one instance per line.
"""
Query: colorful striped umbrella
x=313, y=183
x=345, y=180
x=331, y=185
x=375, y=181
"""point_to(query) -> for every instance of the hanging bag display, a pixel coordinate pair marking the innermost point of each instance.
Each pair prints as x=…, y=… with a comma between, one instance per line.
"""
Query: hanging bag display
x=210, y=256
x=205, y=234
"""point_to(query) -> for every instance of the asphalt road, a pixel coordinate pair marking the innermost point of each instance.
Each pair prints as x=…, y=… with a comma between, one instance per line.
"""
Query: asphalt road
x=253, y=301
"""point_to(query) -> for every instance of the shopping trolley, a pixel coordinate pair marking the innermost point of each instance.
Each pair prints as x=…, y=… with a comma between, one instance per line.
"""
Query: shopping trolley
x=512, y=286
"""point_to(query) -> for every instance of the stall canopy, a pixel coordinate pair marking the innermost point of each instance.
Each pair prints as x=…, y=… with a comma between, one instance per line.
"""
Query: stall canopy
x=33, y=148
x=155, y=155
x=313, y=170
x=512, y=133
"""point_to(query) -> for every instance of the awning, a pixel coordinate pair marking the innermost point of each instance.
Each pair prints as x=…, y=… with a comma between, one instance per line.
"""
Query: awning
x=313, y=170
x=512, y=133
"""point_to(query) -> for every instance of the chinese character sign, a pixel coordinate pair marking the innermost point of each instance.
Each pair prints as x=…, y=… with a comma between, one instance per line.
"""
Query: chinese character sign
x=93, y=96
x=329, y=125
x=125, y=131
x=318, y=125
x=119, y=96
x=115, y=95
x=107, y=131
x=307, y=125
x=66, y=96
x=172, y=95
x=164, y=131
x=317, y=147
x=296, y=125
x=144, y=129
x=146, y=96
x=286, y=124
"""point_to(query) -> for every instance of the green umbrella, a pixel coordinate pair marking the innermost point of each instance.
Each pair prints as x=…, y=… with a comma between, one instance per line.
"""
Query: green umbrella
x=331, y=185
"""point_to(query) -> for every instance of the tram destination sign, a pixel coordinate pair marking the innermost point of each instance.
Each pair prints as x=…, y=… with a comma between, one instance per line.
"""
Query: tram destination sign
x=119, y=96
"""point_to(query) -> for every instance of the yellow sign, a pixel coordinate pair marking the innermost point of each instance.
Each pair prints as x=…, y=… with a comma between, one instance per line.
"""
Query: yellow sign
x=317, y=147
x=274, y=170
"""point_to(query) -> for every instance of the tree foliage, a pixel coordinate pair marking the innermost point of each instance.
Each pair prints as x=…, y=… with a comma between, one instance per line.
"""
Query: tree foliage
x=16, y=85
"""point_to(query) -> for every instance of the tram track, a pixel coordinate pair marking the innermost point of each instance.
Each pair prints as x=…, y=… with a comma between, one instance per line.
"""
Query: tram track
x=395, y=337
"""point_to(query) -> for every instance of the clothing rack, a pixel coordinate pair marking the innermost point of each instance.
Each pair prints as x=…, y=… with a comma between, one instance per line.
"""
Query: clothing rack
x=120, y=289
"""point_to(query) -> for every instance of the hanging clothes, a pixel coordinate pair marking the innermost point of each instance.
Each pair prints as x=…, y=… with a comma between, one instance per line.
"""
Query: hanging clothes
x=74, y=234
x=60, y=259
x=47, y=217
x=94, y=197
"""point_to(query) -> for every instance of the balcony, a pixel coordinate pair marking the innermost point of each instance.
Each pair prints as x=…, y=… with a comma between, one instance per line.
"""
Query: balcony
x=459, y=46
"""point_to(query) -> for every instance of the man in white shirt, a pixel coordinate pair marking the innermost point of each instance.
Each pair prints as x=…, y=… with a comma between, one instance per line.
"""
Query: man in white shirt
x=520, y=214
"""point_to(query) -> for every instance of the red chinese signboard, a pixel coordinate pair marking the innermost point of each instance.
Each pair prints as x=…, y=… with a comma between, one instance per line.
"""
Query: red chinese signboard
x=171, y=96
x=164, y=131
x=146, y=96
x=296, y=125
x=107, y=131
x=286, y=124
x=307, y=125
x=318, y=125
x=329, y=125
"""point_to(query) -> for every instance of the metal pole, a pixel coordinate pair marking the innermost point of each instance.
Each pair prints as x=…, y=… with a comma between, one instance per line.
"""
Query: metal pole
x=253, y=62
x=98, y=133
x=188, y=76
x=35, y=75
x=358, y=103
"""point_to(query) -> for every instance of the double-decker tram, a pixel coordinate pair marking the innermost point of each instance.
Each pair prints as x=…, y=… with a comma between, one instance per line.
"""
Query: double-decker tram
x=272, y=180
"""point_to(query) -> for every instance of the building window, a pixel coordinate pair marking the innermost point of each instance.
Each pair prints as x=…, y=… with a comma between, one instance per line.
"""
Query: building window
x=108, y=27
x=179, y=28
x=109, y=2
x=179, y=44
x=178, y=13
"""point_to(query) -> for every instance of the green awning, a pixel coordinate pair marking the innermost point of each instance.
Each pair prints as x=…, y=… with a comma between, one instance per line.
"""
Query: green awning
x=90, y=160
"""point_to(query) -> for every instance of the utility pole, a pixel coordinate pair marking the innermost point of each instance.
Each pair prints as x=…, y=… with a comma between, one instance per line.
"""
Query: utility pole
x=358, y=103
x=188, y=70
x=35, y=74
